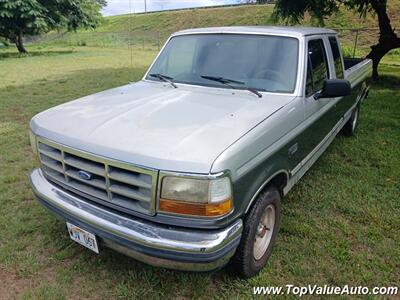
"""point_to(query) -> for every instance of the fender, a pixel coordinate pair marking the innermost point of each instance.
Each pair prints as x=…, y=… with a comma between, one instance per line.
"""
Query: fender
x=264, y=185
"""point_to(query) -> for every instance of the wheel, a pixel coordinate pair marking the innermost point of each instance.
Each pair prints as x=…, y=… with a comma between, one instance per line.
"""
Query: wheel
x=260, y=229
x=349, y=129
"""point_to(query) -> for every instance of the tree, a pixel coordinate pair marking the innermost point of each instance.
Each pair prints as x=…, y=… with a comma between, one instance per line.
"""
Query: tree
x=293, y=11
x=19, y=18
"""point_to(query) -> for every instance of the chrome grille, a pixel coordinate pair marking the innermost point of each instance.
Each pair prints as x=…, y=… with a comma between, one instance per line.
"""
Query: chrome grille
x=112, y=183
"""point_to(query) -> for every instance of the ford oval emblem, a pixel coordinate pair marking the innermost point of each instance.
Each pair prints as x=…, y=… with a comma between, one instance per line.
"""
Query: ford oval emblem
x=85, y=175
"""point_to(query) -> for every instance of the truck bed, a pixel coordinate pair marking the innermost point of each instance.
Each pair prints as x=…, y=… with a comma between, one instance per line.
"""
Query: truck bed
x=351, y=62
x=357, y=69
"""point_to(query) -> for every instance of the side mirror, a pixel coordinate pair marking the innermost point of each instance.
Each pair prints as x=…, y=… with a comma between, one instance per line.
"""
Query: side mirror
x=334, y=88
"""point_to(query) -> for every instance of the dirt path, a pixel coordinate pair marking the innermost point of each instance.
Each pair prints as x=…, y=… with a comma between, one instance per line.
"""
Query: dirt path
x=11, y=286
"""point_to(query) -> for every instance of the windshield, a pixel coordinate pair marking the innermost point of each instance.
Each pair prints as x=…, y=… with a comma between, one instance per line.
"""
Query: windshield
x=264, y=63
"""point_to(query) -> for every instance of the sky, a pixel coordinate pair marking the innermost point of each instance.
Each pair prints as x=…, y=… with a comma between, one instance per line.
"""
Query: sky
x=118, y=7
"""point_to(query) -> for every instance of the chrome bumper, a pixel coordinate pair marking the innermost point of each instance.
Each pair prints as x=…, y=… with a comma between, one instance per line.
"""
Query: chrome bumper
x=154, y=244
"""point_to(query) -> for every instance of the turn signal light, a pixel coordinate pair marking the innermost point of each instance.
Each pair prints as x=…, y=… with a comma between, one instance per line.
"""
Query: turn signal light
x=196, y=209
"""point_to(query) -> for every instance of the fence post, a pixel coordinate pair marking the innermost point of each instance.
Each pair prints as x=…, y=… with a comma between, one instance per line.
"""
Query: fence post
x=355, y=43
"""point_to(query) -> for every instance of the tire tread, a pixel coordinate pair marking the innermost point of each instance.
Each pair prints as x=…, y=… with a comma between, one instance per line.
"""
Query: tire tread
x=241, y=261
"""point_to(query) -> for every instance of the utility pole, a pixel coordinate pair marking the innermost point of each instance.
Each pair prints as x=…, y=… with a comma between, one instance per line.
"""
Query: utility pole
x=145, y=6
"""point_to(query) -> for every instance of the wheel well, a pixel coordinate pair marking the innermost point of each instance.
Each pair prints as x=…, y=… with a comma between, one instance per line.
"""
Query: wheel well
x=279, y=181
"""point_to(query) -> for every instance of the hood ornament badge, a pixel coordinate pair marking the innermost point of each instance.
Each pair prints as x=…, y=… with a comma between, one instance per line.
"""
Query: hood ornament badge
x=85, y=175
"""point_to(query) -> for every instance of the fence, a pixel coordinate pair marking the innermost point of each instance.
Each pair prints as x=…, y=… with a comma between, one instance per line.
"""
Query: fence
x=145, y=40
x=355, y=41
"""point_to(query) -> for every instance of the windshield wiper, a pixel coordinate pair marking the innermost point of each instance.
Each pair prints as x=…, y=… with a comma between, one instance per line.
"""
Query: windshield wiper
x=165, y=78
x=228, y=82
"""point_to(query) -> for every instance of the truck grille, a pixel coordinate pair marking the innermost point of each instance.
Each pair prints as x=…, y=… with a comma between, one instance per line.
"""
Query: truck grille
x=123, y=187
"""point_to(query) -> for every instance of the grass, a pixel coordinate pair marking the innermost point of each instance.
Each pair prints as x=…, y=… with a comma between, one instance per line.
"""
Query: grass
x=151, y=30
x=340, y=225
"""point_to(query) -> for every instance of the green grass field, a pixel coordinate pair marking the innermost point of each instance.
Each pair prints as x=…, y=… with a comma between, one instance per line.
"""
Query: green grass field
x=340, y=224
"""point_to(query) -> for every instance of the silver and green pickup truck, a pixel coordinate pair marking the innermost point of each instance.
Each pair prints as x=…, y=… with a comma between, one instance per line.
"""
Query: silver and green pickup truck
x=186, y=168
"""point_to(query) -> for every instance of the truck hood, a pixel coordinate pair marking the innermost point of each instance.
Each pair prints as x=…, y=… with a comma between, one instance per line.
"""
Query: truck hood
x=156, y=126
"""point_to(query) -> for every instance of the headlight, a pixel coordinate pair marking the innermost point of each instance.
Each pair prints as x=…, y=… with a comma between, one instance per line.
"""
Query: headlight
x=33, y=142
x=196, y=197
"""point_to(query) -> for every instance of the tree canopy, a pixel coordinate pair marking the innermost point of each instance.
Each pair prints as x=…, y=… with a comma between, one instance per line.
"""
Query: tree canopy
x=294, y=11
x=20, y=18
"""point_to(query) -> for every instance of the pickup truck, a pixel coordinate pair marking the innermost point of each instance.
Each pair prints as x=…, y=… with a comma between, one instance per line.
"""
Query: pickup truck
x=186, y=168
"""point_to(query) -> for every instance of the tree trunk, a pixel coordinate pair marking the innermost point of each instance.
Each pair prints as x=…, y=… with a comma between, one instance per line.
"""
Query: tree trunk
x=20, y=44
x=388, y=39
x=379, y=50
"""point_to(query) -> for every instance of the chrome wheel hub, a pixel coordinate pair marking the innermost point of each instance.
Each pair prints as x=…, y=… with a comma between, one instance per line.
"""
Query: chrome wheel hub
x=264, y=232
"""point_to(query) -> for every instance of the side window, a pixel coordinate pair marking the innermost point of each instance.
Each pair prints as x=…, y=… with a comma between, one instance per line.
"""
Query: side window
x=336, y=57
x=309, y=83
x=318, y=69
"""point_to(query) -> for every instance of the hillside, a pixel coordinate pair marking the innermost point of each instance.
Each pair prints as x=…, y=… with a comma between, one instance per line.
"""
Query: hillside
x=167, y=22
x=151, y=30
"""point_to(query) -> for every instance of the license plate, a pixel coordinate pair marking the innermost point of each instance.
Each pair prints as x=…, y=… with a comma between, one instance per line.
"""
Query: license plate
x=83, y=237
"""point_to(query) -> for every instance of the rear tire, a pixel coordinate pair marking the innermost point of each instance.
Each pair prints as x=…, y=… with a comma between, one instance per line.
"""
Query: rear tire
x=350, y=128
x=261, y=226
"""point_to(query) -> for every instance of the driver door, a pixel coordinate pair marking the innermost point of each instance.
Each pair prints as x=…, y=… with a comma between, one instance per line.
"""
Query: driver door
x=319, y=113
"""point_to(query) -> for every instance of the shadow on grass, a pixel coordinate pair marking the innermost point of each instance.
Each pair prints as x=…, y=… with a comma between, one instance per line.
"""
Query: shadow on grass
x=9, y=54
x=387, y=82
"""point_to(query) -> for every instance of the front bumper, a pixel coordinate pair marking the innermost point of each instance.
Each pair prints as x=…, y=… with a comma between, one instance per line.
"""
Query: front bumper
x=158, y=245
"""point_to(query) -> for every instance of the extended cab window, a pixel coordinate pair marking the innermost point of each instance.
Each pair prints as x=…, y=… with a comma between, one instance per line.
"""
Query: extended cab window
x=318, y=69
x=336, y=57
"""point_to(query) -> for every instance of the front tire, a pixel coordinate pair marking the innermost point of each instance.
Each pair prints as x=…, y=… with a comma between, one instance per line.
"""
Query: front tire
x=261, y=226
